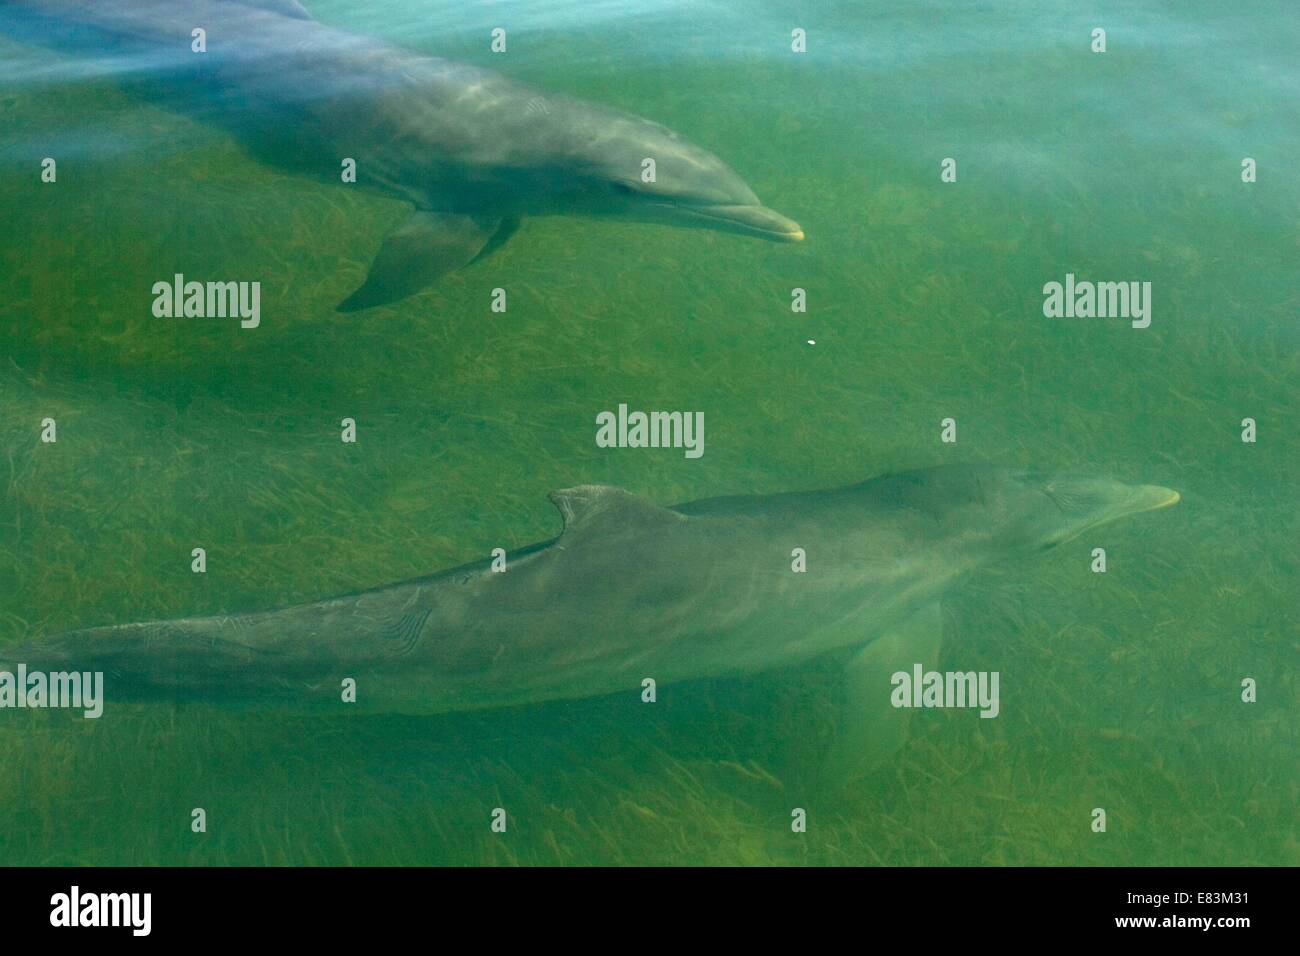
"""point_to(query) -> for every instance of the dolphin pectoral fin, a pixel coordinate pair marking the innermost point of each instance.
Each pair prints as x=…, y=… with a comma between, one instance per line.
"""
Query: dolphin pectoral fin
x=419, y=252
x=871, y=729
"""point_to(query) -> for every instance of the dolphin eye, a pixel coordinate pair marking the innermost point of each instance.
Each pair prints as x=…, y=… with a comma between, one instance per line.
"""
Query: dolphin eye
x=623, y=188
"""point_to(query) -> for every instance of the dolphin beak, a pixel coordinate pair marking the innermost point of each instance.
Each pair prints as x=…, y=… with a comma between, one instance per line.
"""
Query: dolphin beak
x=1152, y=497
x=1089, y=503
x=1135, y=500
x=754, y=220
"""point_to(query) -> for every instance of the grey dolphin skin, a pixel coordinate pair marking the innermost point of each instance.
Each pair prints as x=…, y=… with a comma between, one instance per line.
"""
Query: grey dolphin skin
x=631, y=590
x=473, y=151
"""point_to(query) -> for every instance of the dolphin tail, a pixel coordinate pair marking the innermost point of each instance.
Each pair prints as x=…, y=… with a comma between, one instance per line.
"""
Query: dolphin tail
x=142, y=660
x=422, y=250
x=871, y=729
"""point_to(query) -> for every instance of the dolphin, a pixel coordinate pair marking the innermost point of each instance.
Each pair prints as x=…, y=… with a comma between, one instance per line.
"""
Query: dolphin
x=473, y=152
x=632, y=590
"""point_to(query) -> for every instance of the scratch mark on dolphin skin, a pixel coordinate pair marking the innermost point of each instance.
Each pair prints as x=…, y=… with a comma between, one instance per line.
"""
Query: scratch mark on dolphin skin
x=407, y=632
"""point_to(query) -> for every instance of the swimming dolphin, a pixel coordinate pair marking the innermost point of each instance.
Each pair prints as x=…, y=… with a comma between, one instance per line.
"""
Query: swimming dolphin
x=473, y=151
x=633, y=590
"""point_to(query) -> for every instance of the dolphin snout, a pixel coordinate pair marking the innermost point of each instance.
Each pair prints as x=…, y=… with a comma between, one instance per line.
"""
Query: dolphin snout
x=1101, y=502
x=752, y=220
x=1083, y=502
x=1151, y=497
x=768, y=223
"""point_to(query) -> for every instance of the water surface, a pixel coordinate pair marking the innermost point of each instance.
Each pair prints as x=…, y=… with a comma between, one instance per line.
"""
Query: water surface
x=1119, y=690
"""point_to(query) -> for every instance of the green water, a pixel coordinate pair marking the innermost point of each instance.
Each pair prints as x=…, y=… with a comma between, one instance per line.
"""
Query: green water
x=1119, y=690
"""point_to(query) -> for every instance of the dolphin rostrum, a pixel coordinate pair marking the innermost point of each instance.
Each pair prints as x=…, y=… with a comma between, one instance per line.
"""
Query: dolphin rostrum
x=473, y=151
x=631, y=590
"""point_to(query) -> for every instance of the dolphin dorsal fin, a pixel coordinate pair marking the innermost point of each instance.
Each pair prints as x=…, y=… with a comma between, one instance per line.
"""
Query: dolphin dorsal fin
x=587, y=507
x=286, y=8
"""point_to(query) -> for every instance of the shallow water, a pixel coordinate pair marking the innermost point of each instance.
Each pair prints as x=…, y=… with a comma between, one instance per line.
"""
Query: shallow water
x=1119, y=690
